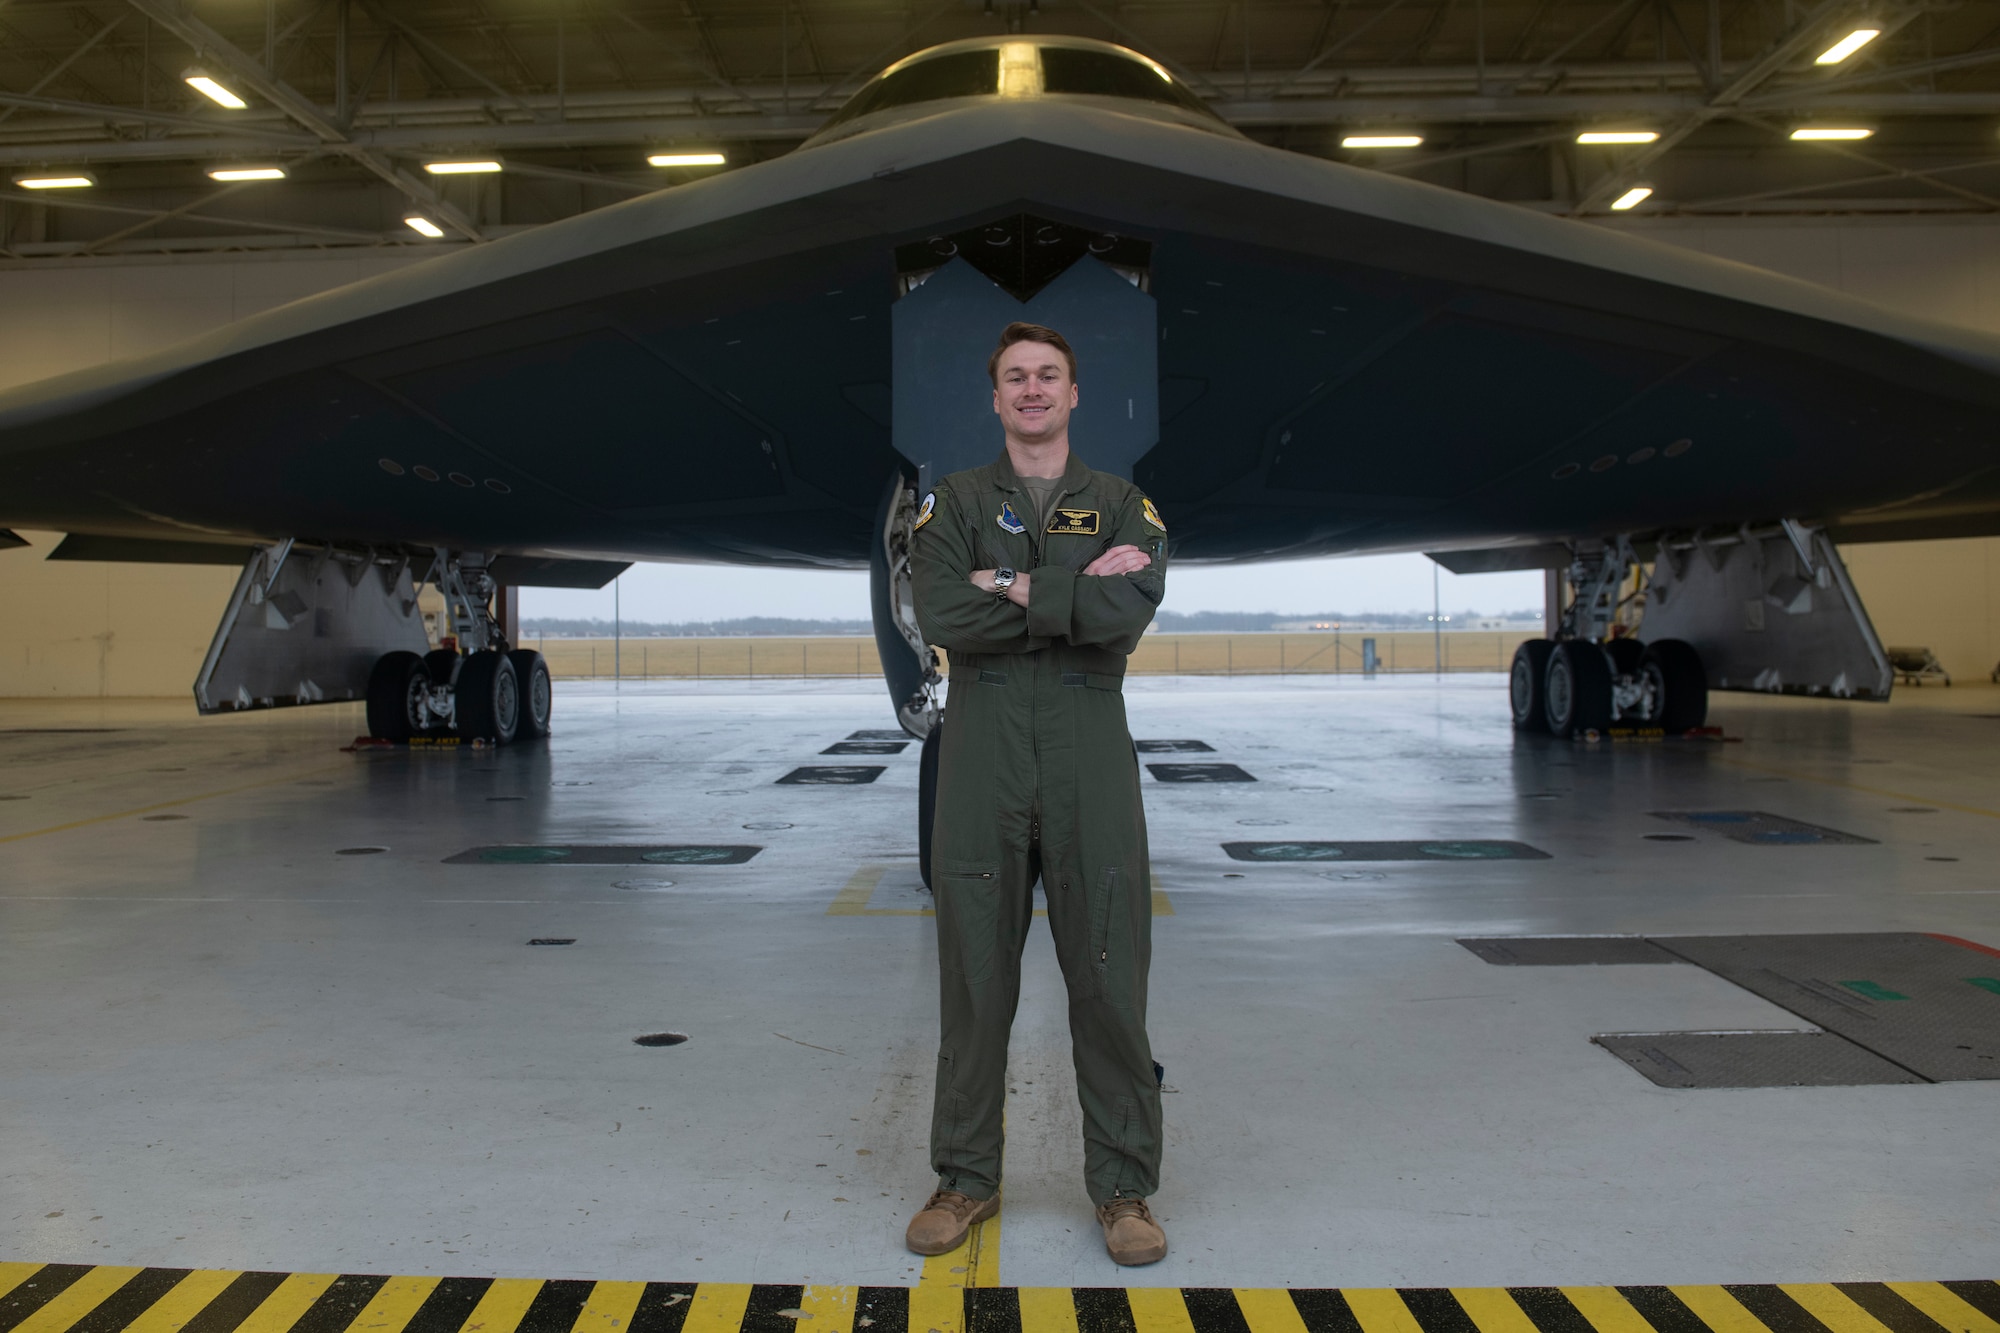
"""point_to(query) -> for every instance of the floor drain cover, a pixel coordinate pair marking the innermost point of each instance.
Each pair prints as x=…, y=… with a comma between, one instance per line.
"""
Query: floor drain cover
x=1383, y=851
x=13, y=798
x=360, y=851
x=1761, y=829
x=1668, y=837
x=660, y=1039
x=865, y=747
x=1912, y=809
x=506, y=798
x=1174, y=747
x=729, y=791
x=1263, y=823
x=642, y=885
x=831, y=775
x=705, y=854
x=161, y=819
x=1568, y=950
x=1751, y=1060
x=552, y=941
x=879, y=734
x=766, y=827
x=1199, y=773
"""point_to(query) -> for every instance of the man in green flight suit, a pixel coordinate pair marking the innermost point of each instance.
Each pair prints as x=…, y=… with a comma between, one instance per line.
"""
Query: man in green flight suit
x=1038, y=575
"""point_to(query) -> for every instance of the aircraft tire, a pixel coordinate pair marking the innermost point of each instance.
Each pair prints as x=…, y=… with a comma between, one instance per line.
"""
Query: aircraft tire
x=488, y=698
x=1525, y=684
x=1626, y=655
x=396, y=687
x=1577, y=688
x=1680, y=683
x=531, y=672
x=444, y=664
x=927, y=785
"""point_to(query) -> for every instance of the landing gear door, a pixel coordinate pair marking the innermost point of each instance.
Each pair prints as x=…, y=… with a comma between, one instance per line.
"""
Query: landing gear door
x=306, y=627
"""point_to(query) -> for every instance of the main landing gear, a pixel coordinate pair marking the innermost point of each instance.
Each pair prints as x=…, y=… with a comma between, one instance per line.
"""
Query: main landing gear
x=490, y=693
x=1573, y=686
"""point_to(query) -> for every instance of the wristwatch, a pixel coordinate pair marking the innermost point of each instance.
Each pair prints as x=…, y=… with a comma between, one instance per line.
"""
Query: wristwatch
x=1003, y=579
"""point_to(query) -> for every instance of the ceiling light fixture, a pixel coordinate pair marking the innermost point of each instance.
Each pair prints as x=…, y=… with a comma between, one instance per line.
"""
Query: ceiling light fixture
x=213, y=91
x=1817, y=133
x=43, y=180
x=1382, y=141
x=478, y=168
x=417, y=222
x=686, y=160
x=1632, y=198
x=1618, y=136
x=1847, y=46
x=246, y=173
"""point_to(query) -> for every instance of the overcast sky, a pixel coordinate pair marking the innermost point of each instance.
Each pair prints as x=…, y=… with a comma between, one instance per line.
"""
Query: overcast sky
x=1361, y=584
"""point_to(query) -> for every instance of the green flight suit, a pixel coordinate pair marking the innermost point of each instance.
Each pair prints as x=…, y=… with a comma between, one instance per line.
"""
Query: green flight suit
x=1037, y=779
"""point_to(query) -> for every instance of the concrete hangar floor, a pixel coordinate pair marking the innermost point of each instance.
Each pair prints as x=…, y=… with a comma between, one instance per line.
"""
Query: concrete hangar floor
x=256, y=1076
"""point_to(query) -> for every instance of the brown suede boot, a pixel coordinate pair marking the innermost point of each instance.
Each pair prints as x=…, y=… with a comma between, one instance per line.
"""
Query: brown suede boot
x=943, y=1223
x=1130, y=1232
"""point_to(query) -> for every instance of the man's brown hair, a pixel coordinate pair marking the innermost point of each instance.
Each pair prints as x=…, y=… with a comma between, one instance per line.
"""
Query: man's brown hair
x=1018, y=332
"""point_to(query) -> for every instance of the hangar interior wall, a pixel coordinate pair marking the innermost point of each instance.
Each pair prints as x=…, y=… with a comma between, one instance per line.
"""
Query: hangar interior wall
x=111, y=630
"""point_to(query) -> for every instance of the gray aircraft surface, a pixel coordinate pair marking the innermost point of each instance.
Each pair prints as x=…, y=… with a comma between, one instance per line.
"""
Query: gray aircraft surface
x=1293, y=357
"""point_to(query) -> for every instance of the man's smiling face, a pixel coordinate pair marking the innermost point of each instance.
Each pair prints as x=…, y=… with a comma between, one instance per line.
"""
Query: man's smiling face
x=1034, y=392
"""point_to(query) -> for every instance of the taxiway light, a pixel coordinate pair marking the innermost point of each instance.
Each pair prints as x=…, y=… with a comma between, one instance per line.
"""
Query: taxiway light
x=479, y=168
x=1818, y=133
x=686, y=160
x=1618, y=136
x=212, y=90
x=246, y=173
x=70, y=180
x=419, y=223
x=1382, y=141
x=1632, y=198
x=1847, y=46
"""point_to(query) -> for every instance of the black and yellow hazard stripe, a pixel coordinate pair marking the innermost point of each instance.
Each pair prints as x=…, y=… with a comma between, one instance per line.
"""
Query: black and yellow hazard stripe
x=79, y=1298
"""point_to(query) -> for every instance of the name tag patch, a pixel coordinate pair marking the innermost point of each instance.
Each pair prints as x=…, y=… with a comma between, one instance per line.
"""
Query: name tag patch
x=1079, y=522
x=1007, y=520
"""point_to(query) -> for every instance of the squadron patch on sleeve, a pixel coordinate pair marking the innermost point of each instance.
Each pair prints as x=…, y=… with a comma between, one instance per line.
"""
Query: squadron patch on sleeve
x=1079, y=522
x=928, y=508
x=1153, y=515
x=1007, y=520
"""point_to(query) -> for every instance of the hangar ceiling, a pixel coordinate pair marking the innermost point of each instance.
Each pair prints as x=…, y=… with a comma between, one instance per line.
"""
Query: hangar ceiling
x=354, y=99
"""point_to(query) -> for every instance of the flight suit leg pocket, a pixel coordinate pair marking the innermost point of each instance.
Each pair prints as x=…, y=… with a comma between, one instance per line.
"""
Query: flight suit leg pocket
x=1110, y=945
x=968, y=917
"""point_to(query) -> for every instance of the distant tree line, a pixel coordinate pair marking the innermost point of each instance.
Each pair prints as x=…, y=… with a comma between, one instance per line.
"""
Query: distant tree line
x=1169, y=622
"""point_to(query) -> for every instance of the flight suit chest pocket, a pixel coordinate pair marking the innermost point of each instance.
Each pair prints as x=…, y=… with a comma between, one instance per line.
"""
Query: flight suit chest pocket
x=968, y=917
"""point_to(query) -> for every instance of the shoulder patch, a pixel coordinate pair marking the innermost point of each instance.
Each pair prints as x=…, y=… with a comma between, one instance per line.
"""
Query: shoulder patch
x=926, y=510
x=1080, y=522
x=1007, y=520
x=1152, y=514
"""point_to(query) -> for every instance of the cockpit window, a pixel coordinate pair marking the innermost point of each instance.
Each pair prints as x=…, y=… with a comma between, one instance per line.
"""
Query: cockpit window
x=961, y=74
x=1067, y=69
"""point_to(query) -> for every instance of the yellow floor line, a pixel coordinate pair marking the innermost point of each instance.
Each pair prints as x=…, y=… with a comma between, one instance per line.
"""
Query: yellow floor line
x=1493, y=1310
x=831, y=1309
x=13, y=1275
x=1157, y=1310
x=1381, y=1310
x=284, y=1306
x=1832, y=1307
x=503, y=1306
x=610, y=1307
x=394, y=1305
x=77, y=1300
x=1872, y=791
x=1718, y=1309
x=1945, y=1306
x=1264, y=1310
x=1607, y=1311
x=189, y=1297
x=717, y=1307
x=168, y=805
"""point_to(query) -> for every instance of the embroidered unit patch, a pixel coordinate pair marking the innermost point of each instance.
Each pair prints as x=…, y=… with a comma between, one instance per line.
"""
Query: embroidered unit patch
x=924, y=513
x=1081, y=522
x=1007, y=520
x=1153, y=515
